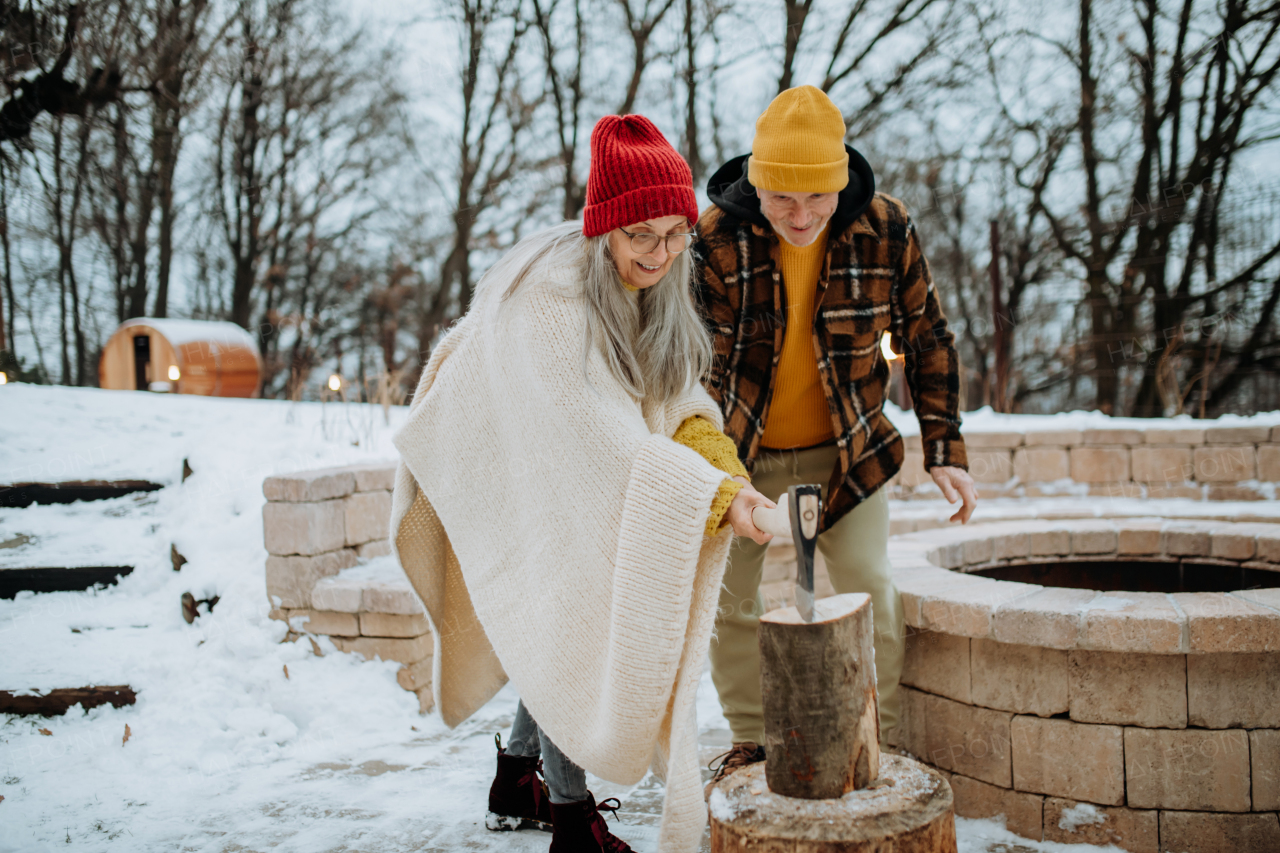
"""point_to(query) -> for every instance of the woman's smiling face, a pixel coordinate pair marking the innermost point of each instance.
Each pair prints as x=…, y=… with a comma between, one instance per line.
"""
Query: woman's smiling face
x=645, y=270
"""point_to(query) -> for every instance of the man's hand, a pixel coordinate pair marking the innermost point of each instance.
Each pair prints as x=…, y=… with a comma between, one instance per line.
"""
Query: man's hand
x=956, y=484
x=739, y=513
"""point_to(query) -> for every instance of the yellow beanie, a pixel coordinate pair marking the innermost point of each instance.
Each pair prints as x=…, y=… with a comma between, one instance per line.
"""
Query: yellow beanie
x=799, y=145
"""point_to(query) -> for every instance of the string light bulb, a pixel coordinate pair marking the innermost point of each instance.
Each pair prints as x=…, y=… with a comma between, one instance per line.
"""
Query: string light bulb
x=174, y=373
x=335, y=382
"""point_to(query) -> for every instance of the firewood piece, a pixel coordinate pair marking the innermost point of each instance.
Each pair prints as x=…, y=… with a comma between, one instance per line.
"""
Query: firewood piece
x=56, y=702
x=821, y=723
x=908, y=810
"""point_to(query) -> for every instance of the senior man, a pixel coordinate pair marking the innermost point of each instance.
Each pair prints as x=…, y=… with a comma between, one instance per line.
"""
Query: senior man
x=804, y=268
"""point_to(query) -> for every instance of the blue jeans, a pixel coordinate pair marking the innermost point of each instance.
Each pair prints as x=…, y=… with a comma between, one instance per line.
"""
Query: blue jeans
x=566, y=780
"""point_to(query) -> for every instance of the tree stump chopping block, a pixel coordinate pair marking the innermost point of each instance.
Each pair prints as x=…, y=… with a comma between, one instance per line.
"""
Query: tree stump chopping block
x=908, y=809
x=818, y=683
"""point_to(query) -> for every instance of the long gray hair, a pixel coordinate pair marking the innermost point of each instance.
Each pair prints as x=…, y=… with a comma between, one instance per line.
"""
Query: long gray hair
x=654, y=342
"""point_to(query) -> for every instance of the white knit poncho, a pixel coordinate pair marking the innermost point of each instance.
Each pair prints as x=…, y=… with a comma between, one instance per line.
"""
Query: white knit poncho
x=556, y=538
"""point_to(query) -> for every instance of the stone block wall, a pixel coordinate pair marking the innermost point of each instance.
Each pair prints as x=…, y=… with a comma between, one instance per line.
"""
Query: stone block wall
x=1145, y=720
x=316, y=525
x=1164, y=460
x=1030, y=733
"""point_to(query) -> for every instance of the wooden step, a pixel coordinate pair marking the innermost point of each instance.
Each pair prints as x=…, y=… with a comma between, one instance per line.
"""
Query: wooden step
x=56, y=702
x=58, y=579
x=19, y=495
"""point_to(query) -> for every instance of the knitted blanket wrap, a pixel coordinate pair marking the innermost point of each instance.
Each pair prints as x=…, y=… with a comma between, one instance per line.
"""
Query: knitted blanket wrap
x=555, y=534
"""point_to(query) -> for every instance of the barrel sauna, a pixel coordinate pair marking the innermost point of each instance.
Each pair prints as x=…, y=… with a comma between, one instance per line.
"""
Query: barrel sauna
x=205, y=357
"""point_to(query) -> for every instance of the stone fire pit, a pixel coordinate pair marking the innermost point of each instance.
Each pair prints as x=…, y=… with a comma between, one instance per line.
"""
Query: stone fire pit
x=1149, y=719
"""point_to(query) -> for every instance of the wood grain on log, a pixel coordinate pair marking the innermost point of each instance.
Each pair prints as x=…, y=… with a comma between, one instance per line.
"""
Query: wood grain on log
x=909, y=809
x=818, y=683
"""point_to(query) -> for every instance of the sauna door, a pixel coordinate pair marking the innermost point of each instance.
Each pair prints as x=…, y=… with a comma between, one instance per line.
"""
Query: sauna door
x=141, y=361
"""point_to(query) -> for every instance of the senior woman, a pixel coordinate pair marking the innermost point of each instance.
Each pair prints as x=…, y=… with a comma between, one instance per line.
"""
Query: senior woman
x=564, y=501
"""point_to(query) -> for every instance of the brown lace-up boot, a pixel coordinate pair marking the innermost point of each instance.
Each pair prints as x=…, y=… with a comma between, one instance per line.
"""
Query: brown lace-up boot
x=518, y=798
x=580, y=828
x=741, y=755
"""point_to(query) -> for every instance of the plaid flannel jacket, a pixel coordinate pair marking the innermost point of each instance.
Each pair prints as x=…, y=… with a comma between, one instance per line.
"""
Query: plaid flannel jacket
x=874, y=279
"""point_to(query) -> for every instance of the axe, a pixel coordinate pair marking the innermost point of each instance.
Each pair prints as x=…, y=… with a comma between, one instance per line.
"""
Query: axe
x=796, y=515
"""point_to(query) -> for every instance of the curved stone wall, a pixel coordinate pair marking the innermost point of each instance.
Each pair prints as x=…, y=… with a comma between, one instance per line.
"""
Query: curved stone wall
x=1146, y=720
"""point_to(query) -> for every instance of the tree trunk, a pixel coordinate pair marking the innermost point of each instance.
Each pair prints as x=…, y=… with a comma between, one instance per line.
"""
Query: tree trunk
x=116, y=233
x=821, y=723
x=249, y=203
x=999, y=392
x=1105, y=345
x=60, y=238
x=167, y=103
x=137, y=305
x=691, y=94
x=797, y=11
x=167, y=151
x=77, y=194
x=8, y=269
x=909, y=811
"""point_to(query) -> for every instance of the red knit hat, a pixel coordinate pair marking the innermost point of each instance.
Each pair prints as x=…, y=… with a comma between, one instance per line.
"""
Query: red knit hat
x=635, y=175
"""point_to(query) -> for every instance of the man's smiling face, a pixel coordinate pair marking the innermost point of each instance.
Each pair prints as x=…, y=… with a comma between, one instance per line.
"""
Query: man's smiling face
x=798, y=218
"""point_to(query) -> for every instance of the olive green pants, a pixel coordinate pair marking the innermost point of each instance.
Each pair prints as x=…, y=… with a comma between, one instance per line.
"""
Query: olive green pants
x=856, y=553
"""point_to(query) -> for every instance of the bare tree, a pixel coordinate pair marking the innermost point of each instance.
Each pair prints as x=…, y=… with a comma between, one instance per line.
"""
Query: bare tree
x=641, y=21
x=179, y=55
x=62, y=179
x=699, y=23
x=495, y=116
x=303, y=138
x=565, y=88
x=915, y=32
x=1193, y=119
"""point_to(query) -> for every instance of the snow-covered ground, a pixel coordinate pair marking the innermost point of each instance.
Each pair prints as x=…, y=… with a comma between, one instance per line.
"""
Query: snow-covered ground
x=237, y=741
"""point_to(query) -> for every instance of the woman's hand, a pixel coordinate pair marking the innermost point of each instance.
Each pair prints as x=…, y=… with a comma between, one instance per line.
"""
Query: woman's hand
x=739, y=513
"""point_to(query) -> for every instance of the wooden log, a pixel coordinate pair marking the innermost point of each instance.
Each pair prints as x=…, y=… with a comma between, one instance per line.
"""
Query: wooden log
x=56, y=702
x=58, y=579
x=821, y=722
x=20, y=495
x=909, y=809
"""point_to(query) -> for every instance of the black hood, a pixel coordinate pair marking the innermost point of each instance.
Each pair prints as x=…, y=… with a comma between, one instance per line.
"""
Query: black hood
x=729, y=190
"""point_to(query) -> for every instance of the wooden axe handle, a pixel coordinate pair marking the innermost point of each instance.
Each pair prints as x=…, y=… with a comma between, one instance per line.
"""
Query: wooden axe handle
x=776, y=521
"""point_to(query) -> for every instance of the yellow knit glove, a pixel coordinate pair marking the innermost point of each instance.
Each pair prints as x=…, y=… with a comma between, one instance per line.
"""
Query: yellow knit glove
x=701, y=436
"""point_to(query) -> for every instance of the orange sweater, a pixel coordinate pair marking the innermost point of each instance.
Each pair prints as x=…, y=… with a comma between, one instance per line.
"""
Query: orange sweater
x=798, y=412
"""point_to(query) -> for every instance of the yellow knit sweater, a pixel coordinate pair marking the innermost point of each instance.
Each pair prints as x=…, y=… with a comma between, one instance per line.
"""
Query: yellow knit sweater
x=701, y=436
x=711, y=444
x=798, y=412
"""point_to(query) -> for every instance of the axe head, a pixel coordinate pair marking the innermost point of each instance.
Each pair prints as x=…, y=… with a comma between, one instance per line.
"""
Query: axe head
x=805, y=503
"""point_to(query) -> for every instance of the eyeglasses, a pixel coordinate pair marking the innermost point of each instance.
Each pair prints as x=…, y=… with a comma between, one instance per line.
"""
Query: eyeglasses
x=643, y=244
